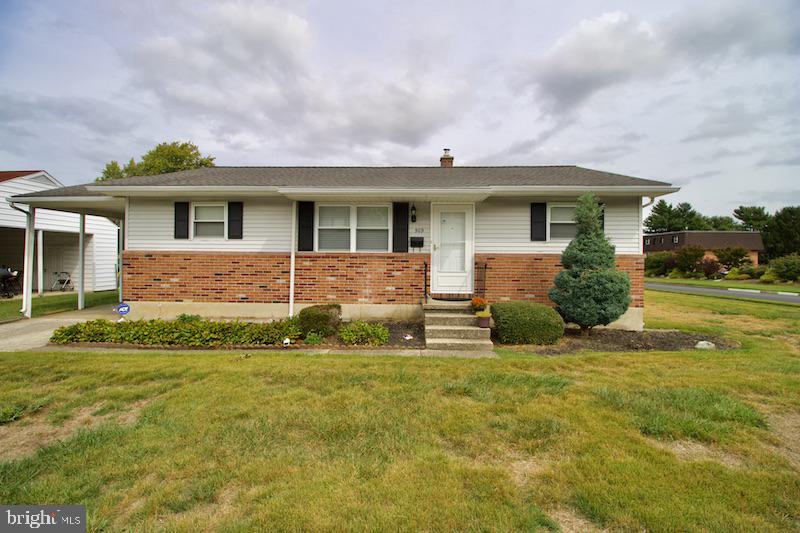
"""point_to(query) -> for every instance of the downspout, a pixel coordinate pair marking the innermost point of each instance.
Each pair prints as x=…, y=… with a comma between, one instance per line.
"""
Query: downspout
x=649, y=202
x=293, y=241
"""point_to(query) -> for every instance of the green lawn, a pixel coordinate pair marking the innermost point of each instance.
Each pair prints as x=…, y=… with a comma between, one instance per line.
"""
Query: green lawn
x=48, y=304
x=724, y=284
x=692, y=441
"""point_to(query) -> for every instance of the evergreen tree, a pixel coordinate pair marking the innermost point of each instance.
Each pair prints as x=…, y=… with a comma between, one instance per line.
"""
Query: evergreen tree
x=753, y=218
x=590, y=291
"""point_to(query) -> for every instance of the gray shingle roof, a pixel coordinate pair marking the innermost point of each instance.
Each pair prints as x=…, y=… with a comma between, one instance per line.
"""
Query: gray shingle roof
x=376, y=177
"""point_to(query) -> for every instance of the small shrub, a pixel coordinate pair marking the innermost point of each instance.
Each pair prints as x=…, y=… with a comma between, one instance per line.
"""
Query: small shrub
x=659, y=263
x=687, y=259
x=787, y=268
x=526, y=323
x=675, y=274
x=709, y=267
x=732, y=256
x=769, y=276
x=323, y=319
x=365, y=333
x=478, y=304
x=754, y=272
x=736, y=274
x=696, y=275
x=188, y=319
x=314, y=338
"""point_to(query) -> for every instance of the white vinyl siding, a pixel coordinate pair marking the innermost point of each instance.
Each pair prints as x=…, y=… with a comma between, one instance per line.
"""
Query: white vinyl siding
x=267, y=226
x=101, y=250
x=503, y=225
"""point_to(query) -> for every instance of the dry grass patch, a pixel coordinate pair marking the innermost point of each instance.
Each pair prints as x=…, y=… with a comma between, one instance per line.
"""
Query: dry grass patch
x=688, y=450
x=26, y=435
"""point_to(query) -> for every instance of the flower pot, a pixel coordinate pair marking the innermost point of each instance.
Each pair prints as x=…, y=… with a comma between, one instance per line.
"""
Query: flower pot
x=483, y=321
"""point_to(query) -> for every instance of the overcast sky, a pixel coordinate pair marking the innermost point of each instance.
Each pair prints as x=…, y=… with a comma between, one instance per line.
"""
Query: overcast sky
x=705, y=95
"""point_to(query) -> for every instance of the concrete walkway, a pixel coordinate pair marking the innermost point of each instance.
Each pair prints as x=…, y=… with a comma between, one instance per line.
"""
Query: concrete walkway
x=725, y=293
x=35, y=332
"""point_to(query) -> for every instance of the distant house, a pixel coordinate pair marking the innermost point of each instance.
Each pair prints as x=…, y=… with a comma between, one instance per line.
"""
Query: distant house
x=707, y=240
x=381, y=241
x=55, y=243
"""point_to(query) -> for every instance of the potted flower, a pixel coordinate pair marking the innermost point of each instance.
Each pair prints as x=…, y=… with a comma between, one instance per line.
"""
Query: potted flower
x=478, y=304
x=483, y=318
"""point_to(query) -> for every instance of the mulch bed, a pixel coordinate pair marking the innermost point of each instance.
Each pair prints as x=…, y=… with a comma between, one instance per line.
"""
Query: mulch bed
x=615, y=340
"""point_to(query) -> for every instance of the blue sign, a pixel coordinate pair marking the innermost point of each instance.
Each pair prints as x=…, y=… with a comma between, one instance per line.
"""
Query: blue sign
x=123, y=308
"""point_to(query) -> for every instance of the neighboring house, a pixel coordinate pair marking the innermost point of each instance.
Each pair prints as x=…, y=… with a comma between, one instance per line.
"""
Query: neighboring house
x=56, y=239
x=707, y=240
x=264, y=241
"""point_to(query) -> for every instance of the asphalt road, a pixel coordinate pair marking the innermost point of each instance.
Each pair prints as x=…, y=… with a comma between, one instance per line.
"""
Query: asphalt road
x=723, y=293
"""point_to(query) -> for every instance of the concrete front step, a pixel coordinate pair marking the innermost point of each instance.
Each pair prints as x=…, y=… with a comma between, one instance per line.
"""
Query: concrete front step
x=450, y=319
x=456, y=332
x=474, y=345
x=447, y=308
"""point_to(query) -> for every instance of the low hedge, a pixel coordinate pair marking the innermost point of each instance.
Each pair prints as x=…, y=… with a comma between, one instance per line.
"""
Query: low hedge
x=360, y=332
x=178, y=332
x=321, y=319
x=526, y=323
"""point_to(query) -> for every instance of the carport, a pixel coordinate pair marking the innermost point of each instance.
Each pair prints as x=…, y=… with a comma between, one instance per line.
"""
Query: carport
x=77, y=200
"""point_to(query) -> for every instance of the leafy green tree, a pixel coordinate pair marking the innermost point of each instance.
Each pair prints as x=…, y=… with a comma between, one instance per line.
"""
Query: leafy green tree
x=782, y=233
x=723, y=223
x=590, y=291
x=732, y=257
x=753, y=218
x=111, y=171
x=687, y=259
x=161, y=159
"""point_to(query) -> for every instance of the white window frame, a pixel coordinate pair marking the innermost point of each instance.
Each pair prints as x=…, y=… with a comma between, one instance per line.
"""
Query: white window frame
x=353, y=227
x=675, y=239
x=647, y=241
x=550, y=206
x=224, y=205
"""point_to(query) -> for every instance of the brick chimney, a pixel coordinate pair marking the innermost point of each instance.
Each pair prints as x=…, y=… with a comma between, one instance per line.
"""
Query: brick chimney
x=446, y=161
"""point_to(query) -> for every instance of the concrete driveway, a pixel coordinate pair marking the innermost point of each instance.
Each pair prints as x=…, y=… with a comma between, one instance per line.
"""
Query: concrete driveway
x=34, y=333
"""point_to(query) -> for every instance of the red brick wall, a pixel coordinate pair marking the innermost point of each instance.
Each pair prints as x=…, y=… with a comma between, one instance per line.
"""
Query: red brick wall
x=359, y=278
x=342, y=278
x=264, y=277
x=530, y=276
x=205, y=277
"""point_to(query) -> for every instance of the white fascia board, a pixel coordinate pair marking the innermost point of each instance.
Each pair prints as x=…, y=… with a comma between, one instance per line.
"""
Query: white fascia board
x=180, y=190
x=560, y=190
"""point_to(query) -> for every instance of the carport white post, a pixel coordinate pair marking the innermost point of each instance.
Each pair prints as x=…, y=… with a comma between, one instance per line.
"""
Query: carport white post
x=39, y=262
x=27, y=268
x=81, y=260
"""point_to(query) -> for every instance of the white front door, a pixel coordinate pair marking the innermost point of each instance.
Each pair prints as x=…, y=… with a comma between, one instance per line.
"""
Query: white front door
x=453, y=248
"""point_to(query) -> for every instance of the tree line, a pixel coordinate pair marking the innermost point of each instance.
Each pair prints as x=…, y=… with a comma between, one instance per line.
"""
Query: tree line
x=779, y=230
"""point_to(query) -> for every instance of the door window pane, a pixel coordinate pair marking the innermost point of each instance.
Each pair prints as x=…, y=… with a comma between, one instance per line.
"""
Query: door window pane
x=452, y=249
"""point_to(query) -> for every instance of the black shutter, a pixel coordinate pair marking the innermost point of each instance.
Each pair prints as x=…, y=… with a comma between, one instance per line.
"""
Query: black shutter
x=305, y=226
x=235, y=219
x=181, y=220
x=400, y=227
x=539, y=222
